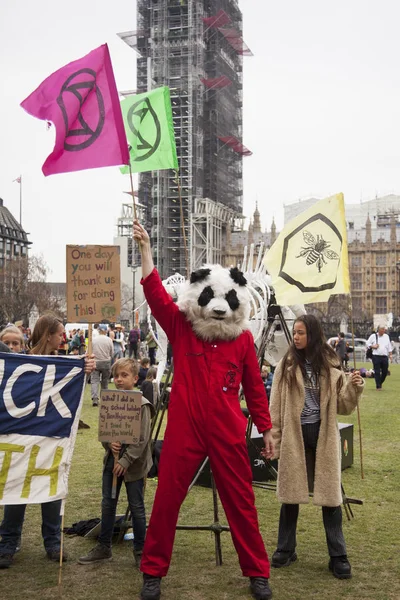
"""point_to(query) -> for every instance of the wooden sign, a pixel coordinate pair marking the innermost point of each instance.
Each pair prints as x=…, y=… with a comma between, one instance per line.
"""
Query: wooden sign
x=93, y=283
x=120, y=416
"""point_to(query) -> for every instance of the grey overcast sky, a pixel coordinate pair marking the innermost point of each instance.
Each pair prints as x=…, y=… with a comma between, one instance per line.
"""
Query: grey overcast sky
x=321, y=109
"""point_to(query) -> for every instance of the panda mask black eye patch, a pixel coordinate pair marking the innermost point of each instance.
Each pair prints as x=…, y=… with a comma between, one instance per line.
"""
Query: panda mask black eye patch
x=232, y=299
x=206, y=296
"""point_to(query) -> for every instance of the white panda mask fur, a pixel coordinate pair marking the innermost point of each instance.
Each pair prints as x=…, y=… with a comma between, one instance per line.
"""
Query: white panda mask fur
x=216, y=302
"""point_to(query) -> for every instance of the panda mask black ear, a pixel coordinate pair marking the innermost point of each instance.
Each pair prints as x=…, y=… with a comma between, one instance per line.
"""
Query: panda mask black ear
x=199, y=275
x=238, y=276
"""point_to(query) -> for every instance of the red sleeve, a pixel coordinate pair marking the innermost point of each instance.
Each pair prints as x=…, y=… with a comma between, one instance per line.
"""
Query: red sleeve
x=162, y=306
x=254, y=390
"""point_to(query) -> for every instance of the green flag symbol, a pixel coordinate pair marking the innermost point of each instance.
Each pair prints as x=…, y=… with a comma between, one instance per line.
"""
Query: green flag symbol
x=150, y=131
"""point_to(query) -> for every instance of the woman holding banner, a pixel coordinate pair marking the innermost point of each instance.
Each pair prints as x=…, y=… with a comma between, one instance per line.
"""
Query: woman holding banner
x=46, y=339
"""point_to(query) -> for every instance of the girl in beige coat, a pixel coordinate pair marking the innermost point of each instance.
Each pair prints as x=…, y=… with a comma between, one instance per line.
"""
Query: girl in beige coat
x=309, y=389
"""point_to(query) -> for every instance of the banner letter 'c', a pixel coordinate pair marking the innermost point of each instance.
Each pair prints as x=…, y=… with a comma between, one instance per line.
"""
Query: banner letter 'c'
x=11, y=407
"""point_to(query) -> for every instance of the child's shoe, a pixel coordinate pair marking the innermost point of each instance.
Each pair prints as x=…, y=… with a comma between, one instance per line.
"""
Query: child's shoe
x=97, y=554
x=151, y=589
x=260, y=588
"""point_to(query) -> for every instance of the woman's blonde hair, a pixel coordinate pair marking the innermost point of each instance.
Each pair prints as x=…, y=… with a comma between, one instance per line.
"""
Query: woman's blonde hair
x=12, y=329
x=45, y=326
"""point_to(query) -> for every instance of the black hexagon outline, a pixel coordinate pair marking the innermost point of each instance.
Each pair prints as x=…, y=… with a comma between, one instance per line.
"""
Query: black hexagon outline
x=288, y=278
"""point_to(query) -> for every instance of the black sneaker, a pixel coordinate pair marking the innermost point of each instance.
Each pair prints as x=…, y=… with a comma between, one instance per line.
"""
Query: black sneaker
x=340, y=567
x=54, y=555
x=6, y=560
x=95, y=402
x=99, y=553
x=260, y=588
x=283, y=559
x=151, y=589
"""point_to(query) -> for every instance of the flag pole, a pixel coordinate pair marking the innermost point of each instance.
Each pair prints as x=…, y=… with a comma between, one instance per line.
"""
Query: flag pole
x=182, y=222
x=132, y=191
x=61, y=543
x=20, y=200
x=358, y=403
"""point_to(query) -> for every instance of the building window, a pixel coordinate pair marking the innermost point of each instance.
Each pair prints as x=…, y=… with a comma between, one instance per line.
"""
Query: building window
x=381, y=260
x=356, y=260
x=23, y=251
x=381, y=305
x=381, y=281
x=16, y=249
x=8, y=247
x=357, y=304
x=356, y=281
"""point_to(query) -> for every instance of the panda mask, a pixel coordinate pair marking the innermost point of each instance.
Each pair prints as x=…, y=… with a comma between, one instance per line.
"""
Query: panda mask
x=216, y=302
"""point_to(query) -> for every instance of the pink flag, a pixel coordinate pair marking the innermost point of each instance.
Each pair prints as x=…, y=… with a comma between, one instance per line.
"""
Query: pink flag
x=81, y=99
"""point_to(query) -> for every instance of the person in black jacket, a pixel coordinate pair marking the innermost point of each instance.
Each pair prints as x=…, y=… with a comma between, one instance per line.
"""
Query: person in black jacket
x=144, y=367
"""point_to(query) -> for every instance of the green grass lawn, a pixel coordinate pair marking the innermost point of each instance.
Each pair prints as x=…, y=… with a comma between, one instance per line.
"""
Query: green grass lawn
x=373, y=537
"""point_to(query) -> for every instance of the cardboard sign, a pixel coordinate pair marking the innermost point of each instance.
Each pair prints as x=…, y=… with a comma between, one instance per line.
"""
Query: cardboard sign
x=93, y=283
x=120, y=416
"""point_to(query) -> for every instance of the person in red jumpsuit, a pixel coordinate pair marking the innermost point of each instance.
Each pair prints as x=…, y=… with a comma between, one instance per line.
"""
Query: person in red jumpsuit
x=204, y=414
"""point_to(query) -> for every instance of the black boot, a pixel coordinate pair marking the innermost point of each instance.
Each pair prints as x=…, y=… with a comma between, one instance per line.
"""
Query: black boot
x=151, y=589
x=340, y=567
x=283, y=559
x=260, y=588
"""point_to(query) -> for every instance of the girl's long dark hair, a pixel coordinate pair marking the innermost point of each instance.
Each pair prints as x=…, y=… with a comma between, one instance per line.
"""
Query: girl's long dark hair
x=317, y=352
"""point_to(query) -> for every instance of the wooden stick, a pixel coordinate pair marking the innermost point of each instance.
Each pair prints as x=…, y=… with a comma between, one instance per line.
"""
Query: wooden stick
x=182, y=223
x=61, y=550
x=114, y=481
x=132, y=191
x=358, y=404
x=90, y=338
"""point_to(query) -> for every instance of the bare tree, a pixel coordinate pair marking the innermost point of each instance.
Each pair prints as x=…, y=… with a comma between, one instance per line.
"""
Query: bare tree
x=126, y=302
x=22, y=286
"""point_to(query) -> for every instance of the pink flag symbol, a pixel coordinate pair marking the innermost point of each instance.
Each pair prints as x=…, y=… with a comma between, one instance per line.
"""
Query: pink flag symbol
x=81, y=99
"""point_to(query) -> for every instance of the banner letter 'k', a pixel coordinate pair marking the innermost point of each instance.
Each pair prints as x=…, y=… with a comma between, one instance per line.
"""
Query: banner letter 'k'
x=33, y=471
x=52, y=392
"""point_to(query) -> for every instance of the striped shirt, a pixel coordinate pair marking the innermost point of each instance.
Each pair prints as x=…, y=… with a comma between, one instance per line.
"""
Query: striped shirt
x=311, y=409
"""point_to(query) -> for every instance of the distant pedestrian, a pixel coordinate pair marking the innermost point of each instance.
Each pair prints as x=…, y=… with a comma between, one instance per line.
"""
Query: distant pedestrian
x=134, y=340
x=381, y=353
x=340, y=348
x=152, y=347
x=118, y=342
x=143, y=368
x=103, y=350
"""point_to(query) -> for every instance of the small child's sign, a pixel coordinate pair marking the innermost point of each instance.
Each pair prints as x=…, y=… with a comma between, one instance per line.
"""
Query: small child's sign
x=120, y=416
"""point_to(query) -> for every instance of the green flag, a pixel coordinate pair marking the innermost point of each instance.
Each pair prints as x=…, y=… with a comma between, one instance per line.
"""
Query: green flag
x=150, y=131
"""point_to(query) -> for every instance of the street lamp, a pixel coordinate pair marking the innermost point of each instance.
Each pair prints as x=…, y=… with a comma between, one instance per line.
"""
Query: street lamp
x=133, y=294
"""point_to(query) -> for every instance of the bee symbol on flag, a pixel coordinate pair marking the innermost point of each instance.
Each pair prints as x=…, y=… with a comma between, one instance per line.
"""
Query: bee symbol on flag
x=317, y=250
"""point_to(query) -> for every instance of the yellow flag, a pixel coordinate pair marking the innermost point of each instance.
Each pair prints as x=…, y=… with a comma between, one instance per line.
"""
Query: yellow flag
x=309, y=260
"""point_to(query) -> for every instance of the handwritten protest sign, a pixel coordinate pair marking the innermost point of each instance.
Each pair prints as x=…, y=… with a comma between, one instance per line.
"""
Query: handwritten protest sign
x=93, y=283
x=120, y=416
